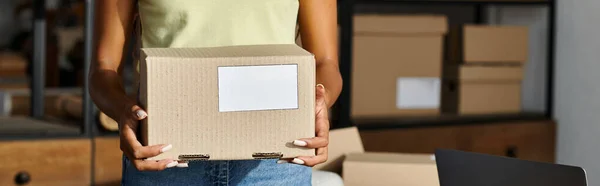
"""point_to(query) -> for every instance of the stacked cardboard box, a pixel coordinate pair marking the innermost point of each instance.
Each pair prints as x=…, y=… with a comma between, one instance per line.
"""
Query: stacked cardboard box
x=397, y=65
x=484, y=69
x=13, y=73
x=347, y=158
x=12, y=65
x=17, y=102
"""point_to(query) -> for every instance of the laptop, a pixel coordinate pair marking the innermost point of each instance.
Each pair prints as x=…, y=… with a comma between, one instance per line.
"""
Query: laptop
x=457, y=168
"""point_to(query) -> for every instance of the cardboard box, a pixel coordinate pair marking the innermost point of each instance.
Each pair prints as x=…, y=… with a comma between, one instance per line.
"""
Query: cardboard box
x=341, y=142
x=12, y=65
x=390, y=169
x=17, y=102
x=397, y=65
x=488, y=44
x=228, y=103
x=484, y=90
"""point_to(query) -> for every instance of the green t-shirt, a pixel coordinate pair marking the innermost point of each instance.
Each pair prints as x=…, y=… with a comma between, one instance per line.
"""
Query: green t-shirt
x=210, y=23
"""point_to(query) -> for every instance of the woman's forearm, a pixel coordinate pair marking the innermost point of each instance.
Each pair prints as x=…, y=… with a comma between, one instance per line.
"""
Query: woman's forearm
x=112, y=25
x=107, y=91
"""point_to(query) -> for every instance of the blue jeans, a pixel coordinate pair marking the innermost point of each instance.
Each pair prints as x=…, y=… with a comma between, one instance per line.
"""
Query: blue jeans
x=222, y=173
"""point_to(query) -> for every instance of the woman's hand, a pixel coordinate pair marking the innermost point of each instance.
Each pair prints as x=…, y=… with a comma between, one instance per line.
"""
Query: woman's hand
x=321, y=140
x=134, y=150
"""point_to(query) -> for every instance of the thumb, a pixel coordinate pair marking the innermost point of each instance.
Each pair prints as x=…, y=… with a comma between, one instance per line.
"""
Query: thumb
x=320, y=93
x=138, y=113
x=321, y=102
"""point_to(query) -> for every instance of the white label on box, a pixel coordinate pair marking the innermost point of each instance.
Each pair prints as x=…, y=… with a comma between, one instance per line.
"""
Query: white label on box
x=418, y=93
x=251, y=88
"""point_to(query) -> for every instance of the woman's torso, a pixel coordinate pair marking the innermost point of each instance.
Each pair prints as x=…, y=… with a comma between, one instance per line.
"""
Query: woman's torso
x=210, y=23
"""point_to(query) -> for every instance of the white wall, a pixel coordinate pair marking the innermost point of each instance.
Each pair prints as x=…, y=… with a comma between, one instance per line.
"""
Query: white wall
x=533, y=90
x=577, y=90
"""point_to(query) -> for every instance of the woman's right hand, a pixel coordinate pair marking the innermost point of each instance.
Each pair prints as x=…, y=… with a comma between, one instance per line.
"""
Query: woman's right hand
x=134, y=150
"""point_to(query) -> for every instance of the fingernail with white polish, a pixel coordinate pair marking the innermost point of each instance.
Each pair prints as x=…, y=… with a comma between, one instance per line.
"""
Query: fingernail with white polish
x=281, y=161
x=166, y=148
x=172, y=164
x=182, y=165
x=321, y=85
x=300, y=143
x=141, y=114
x=298, y=161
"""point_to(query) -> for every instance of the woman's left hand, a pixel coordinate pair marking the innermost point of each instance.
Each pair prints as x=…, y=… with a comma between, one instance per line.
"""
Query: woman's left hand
x=321, y=140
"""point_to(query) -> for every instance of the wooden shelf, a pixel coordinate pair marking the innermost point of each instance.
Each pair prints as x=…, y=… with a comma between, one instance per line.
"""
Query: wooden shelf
x=24, y=127
x=528, y=140
x=438, y=121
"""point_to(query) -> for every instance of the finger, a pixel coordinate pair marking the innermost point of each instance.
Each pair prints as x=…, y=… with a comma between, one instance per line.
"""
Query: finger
x=320, y=101
x=284, y=160
x=310, y=160
x=151, y=165
x=131, y=145
x=321, y=157
x=142, y=152
x=138, y=113
x=322, y=115
x=322, y=126
x=321, y=93
x=313, y=143
x=128, y=139
x=291, y=160
x=182, y=165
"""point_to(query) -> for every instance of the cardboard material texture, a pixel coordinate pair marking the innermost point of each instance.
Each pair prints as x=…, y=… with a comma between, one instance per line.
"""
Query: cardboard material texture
x=484, y=90
x=484, y=44
x=341, y=142
x=479, y=73
x=17, y=102
x=12, y=65
x=394, y=59
x=390, y=169
x=228, y=103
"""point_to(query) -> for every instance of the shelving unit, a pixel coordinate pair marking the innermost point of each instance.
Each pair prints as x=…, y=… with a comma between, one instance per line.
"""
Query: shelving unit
x=43, y=141
x=42, y=132
x=39, y=126
x=346, y=11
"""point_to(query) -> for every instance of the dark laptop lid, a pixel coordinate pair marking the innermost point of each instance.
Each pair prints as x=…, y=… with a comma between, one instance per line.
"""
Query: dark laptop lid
x=456, y=168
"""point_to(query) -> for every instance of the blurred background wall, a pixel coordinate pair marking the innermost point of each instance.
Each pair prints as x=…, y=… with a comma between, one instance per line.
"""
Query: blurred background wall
x=578, y=85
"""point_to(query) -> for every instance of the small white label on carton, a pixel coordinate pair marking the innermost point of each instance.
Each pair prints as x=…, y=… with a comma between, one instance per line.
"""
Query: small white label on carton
x=253, y=88
x=418, y=93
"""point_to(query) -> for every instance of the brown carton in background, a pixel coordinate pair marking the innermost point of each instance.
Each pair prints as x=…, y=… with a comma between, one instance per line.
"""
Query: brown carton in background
x=473, y=73
x=12, y=65
x=495, y=44
x=488, y=44
x=341, y=142
x=185, y=92
x=490, y=98
x=390, y=169
x=484, y=90
x=17, y=102
x=390, y=49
